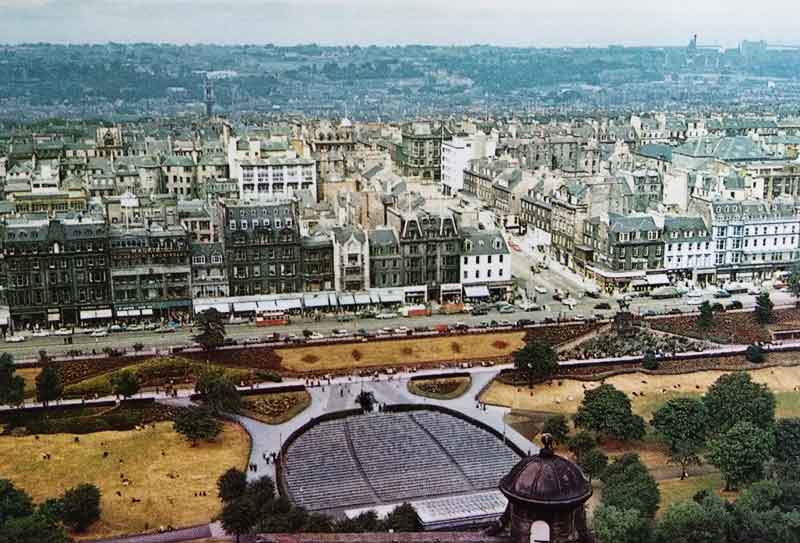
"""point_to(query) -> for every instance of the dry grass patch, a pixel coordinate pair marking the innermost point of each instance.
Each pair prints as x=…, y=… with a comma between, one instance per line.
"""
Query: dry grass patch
x=391, y=352
x=656, y=390
x=164, y=484
x=440, y=389
x=276, y=407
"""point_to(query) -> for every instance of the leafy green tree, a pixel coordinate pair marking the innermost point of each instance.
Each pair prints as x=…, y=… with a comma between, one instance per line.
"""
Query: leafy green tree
x=761, y=514
x=608, y=411
x=52, y=508
x=239, y=516
x=740, y=453
x=317, y=523
x=755, y=354
x=793, y=281
x=35, y=528
x=693, y=522
x=366, y=401
x=231, y=485
x=196, y=423
x=14, y=503
x=557, y=426
x=593, y=462
x=48, y=385
x=734, y=398
x=212, y=329
x=261, y=491
x=537, y=360
x=764, y=308
x=682, y=424
x=649, y=361
x=581, y=442
x=787, y=441
x=12, y=386
x=629, y=485
x=403, y=518
x=218, y=392
x=614, y=525
x=706, y=318
x=81, y=506
x=365, y=522
x=125, y=384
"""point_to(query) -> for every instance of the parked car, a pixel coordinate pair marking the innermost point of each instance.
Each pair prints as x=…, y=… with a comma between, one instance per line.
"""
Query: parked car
x=117, y=328
x=422, y=329
x=505, y=323
x=540, y=290
x=754, y=290
x=63, y=332
x=402, y=330
x=524, y=322
x=675, y=311
x=528, y=306
x=722, y=293
x=603, y=306
x=340, y=332
x=479, y=311
x=315, y=335
x=735, y=304
x=367, y=314
x=386, y=315
x=41, y=333
x=15, y=339
x=506, y=309
x=102, y=332
x=345, y=317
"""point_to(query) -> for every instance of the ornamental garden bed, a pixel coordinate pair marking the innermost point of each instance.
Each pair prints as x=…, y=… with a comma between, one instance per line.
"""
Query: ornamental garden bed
x=613, y=345
x=447, y=388
x=275, y=407
x=740, y=327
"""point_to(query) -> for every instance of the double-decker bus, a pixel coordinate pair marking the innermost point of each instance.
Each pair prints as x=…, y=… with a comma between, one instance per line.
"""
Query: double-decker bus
x=271, y=318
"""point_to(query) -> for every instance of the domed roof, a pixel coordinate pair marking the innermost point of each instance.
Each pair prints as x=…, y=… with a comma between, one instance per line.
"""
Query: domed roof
x=546, y=479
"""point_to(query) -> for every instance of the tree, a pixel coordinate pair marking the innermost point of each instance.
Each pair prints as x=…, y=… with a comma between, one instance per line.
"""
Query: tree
x=706, y=318
x=740, y=453
x=629, y=485
x=138, y=346
x=125, y=384
x=366, y=401
x=682, y=424
x=556, y=426
x=219, y=393
x=793, y=281
x=614, y=525
x=261, y=491
x=581, y=442
x=231, y=484
x=81, y=506
x=404, y=518
x=608, y=410
x=764, y=308
x=755, y=354
x=650, y=362
x=48, y=385
x=787, y=441
x=196, y=423
x=693, y=522
x=14, y=503
x=537, y=360
x=593, y=462
x=12, y=386
x=734, y=398
x=239, y=516
x=212, y=329
x=35, y=528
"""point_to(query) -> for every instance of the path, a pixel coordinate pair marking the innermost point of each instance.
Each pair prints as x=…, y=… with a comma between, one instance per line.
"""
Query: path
x=175, y=536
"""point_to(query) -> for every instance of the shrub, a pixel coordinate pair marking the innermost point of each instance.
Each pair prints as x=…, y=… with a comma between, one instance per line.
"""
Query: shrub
x=80, y=506
x=650, y=362
x=356, y=354
x=455, y=347
x=755, y=354
x=268, y=376
x=137, y=347
x=500, y=344
x=310, y=358
x=407, y=351
x=556, y=426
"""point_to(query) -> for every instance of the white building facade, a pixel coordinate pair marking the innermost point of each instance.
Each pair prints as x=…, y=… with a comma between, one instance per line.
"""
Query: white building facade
x=485, y=262
x=457, y=152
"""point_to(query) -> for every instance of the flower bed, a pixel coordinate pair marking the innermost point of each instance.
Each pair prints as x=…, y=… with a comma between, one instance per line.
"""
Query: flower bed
x=87, y=420
x=440, y=389
x=554, y=335
x=613, y=345
x=276, y=407
x=739, y=327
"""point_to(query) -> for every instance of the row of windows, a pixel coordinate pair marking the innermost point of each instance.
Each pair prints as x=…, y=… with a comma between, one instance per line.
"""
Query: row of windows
x=266, y=223
x=488, y=259
x=201, y=259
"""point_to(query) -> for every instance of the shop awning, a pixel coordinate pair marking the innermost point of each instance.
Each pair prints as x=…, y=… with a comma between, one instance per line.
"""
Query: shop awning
x=363, y=299
x=451, y=287
x=657, y=280
x=346, y=299
x=3, y=321
x=147, y=312
x=316, y=300
x=392, y=297
x=245, y=306
x=638, y=283
x=267, y=305
x=479, y=291
x=286, y=305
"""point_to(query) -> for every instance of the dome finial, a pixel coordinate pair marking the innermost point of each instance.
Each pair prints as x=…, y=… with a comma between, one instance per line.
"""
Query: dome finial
x=547, y=445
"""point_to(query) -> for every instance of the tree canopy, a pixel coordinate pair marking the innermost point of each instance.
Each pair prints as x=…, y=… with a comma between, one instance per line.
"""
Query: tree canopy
x=537, y=360
x=741, y=452
x=629, y=485
x=12, y=386
x=125, y=384
x=212, y=329
x=196, y=423
x=218, y=392
x=80, y=506
x=48, y=385
x=764, y=308
x=735, y=398
x=682, y=424
x=614, y=525
x=608, y=411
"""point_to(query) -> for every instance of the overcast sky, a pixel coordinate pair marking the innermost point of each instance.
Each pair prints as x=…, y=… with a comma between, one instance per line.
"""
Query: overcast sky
x=363, y=22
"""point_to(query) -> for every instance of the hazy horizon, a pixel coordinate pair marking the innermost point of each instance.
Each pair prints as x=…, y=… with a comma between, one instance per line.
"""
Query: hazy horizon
x=516, y=23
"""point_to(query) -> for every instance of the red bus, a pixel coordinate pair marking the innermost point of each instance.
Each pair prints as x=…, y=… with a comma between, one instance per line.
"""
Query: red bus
x=271, y=318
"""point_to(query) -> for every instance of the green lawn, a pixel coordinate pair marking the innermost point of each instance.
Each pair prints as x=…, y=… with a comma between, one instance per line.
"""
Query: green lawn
x=675, y=490
x=788, y=404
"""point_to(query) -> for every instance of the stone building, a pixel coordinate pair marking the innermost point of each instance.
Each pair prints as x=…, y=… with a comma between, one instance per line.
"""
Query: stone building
x=350, y=259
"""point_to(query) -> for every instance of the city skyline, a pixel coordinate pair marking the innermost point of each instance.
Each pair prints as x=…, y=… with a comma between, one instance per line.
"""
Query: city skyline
x=382, y=22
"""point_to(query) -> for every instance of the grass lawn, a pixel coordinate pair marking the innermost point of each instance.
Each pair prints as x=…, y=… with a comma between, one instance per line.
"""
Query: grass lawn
x=149, y=372
x=399, y=352
x=164, y=484
x=656, y=389
x=440, y=389
x=277, y=407
x=675, y=490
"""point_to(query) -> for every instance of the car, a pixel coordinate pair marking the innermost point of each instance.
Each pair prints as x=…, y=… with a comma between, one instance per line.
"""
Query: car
x=483, y=324
x=694, y=294
x=694, y=301
x=735, y=304
x=152, y=326
x=479, y=311
x=63, y=332
x=722, y=293
x=524, y=322
x=578, y=317
x=116, y=328
x=421, y=329
x=591, y=293
x=15, y=339
x=386, y=315
x=367, y=314
x=339, y=332
x=100, y=332
x=345, y=317
x=402, y=330
x=570, y=302
x=549, y=320
x=754, y=290
x=41, y=333
x=540, y=290
x=229, y=341
x=603, y=306
x=506, y=309
x=528, y=306
x=386, y=330
x=505, y=323
x=135, y=327
x=675, y=311
x=315, y=335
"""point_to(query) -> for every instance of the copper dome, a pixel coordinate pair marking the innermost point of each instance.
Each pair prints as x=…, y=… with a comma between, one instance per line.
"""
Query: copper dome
x=546, y=479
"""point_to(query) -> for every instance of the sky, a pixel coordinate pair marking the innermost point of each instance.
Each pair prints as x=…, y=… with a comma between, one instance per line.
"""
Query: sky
x=544, y=23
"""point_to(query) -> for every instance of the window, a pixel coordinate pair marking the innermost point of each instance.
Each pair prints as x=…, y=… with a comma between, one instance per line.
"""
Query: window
x=216, y=259
x=244, y=225
x=198, y=260
x=232, y=225
x=477, y=274
x=489, y=259
x=277, y=223
x=501, y=259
